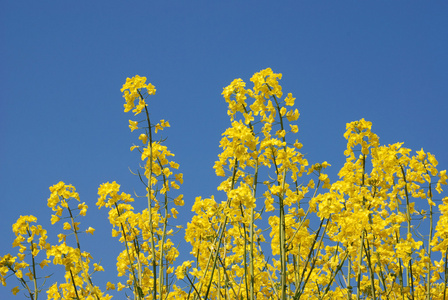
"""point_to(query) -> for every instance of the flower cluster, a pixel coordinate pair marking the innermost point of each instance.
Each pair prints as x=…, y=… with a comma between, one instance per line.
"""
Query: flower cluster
x=279, y=229
x=132, y=90
x=149, y=254
x=32, y=239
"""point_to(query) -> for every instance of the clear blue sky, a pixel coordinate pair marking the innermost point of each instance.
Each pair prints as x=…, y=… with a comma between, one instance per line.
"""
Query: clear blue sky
x=63, y=64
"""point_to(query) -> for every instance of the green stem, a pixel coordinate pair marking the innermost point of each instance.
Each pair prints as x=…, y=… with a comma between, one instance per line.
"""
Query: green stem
x=408, y=220
x=282, y=236
x=163, y=239
x=136, y=283
x=36, y=291
x=338, y=269
x=89, y=283
x=431, y=225
x=251, y=228
x=282, y=211
x=221, y=233
x=445, y=273
x=252, y=233
x=358, y=272
x=150, y=161
x=369, y=263
x=349, y=286
x=222, y=228
x=303, y=283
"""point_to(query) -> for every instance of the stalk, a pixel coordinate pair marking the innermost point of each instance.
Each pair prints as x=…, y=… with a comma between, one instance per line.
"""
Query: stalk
x=445, y=274
x=274, y=288
x=363, y=232
x=367, y=249
x=428, y=275
x=282, y=210
x=381, y=275
x=302, y=289
x=358, y=272
x=36, y=291
x=221, y=233
x=153, y=250
x=89, y=283
x=349, y=286
x=283, y=239
x=246, y=275
x=73, y=282
x=137, y=288
x=339, y=267
x=408, y=220
x=252, y=233
x=218, y=240
x=369, y=262
x=251, y=227
x=163, y=239
x=227, y=278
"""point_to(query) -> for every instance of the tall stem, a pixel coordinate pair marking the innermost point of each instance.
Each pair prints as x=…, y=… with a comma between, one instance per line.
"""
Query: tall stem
x=252, y=233
x=149, y=193
x=431, y=224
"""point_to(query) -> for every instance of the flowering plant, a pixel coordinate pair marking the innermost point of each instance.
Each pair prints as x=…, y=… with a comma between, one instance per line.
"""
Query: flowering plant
x=282, y=231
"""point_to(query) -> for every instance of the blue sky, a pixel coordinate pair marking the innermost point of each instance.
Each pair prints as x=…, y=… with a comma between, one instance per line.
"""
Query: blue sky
x=63, y=64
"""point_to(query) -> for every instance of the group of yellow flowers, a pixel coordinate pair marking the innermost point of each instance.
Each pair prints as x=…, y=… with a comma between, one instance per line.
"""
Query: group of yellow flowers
x=281, y=230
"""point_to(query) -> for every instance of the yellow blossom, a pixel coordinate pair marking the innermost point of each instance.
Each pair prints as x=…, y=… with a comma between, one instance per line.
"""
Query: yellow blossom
x=110, y=286
x=143, y=137
x=133, y=125
x=97, y=267
x=15, y=290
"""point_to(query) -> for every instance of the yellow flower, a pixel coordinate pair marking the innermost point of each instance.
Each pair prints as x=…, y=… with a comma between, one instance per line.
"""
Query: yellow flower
x=292, y=115
x=174, y=212
x=289, y=100
x=90, y=230
x=141, y=105
x=44, y=263
x=61, y=237
x=83, y=208
x=143, y=137
x=110, y=286
x=179, y=201
x=133, y=125
x=53, y=292
x=294, y=128
x=120, y=286
x=281, y=133
x=30, y=275
x=283, y=111
x=164, y=123
x=54, y=219
x=132, y=90
x=97, y=267
x=15, y=290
